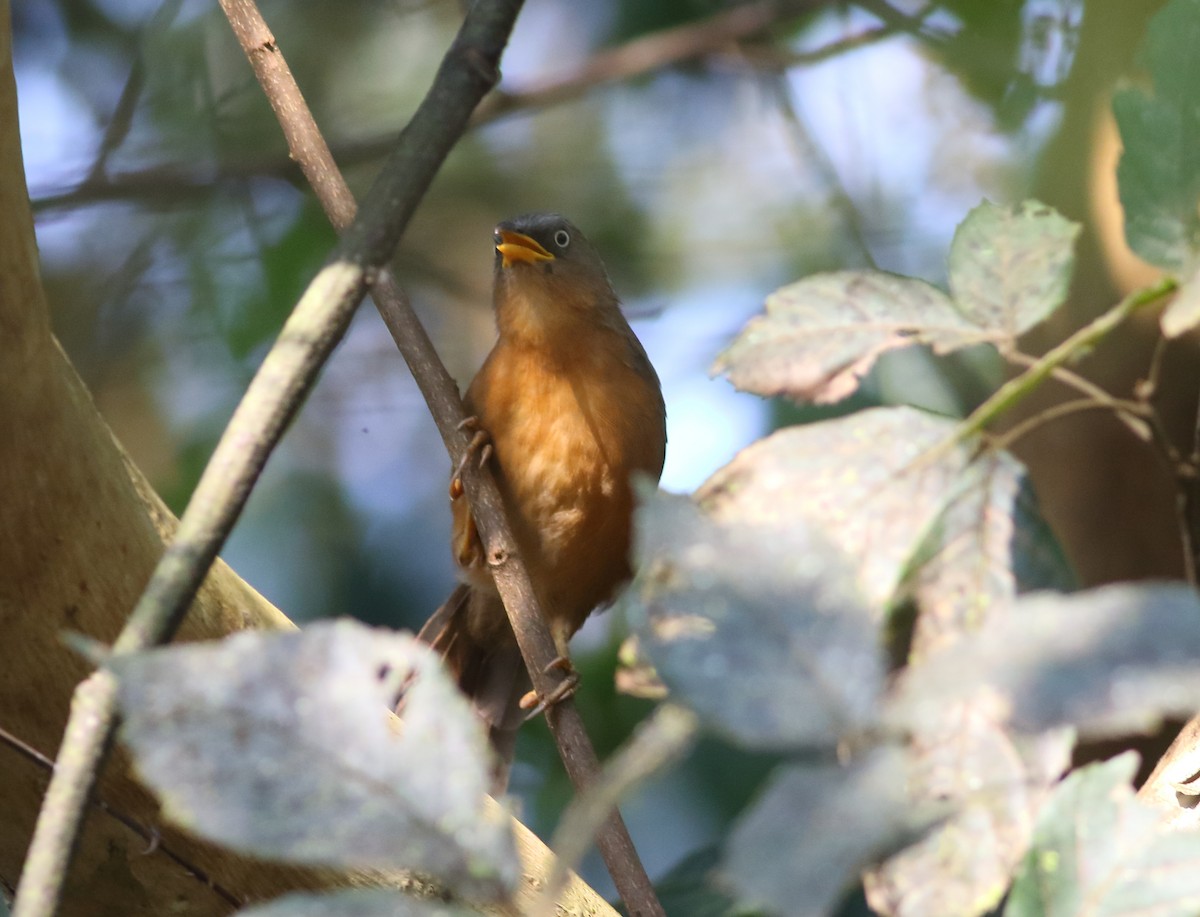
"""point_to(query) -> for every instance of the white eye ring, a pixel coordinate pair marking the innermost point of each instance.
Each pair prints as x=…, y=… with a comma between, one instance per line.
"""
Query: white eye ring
x=562, y=238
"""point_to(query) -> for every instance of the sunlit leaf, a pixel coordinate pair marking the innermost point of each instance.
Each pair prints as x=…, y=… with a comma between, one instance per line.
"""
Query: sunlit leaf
x=1010, y=267
x=1098, y=851
x=1109, y=661
x=759, y=629
x=815, y=828
x=281, y=744
x=821, y=335
x=1159, y=172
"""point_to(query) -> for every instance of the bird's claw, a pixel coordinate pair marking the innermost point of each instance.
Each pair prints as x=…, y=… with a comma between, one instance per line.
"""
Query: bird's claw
x=479, y=447
x=566, y=688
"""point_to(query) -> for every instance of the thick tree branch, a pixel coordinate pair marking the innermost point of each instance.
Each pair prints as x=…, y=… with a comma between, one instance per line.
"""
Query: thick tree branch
x=310, y=151
x=466, y=74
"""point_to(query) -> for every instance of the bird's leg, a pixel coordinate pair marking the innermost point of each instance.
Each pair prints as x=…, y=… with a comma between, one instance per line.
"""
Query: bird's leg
x=562, y=662
x=479, y=447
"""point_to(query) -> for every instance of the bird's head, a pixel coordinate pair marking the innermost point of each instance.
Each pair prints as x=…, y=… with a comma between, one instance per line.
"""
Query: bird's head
x=548, y=273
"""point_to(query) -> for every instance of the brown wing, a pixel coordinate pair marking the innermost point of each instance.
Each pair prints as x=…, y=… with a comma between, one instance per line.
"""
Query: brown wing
x=492, y=676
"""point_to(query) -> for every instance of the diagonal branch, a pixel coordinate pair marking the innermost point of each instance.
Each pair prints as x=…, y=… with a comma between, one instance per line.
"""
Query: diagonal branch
x=637, y=57
x=320, y=319
x=310, y=151
x=650, y=52
x=154, y=842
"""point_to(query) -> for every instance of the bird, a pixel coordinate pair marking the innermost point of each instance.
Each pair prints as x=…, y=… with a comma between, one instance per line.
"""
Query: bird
x=567, y=408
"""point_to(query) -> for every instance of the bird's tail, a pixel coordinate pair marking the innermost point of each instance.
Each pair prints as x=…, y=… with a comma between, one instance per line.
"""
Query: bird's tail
x=491, y=674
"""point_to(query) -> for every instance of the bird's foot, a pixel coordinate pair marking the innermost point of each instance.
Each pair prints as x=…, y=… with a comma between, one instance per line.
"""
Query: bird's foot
x=566, y=688
x=479, y=448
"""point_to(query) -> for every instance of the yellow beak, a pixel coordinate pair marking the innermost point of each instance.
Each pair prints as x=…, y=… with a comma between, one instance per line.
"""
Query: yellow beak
x=515, y=246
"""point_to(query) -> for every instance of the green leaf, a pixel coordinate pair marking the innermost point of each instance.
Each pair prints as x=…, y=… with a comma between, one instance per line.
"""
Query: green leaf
x=1098, y=851
x=759, y=629
x=368, y=902
x=281, y=745
x=1159, y=172
x=1109, y=661
x=1010, y=267
x=821, y=335
x=815, y=828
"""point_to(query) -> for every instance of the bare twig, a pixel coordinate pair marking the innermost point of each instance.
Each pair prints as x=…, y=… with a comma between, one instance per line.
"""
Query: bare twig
x=468, y=71
x=1006, y=439
x=635, y=58
x=1134, y=414
x=310, y=151
x=650, y=52
x=659, y=741
x=807, y=150
x=1184, y=470
x=152, y=838
x=1017, y=389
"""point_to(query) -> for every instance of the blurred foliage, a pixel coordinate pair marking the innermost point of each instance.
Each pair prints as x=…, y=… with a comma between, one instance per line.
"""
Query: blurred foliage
x=706, y=184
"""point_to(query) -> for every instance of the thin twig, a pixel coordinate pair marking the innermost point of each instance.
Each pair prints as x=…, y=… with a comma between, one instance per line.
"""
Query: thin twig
x=467, y=72
x=310, y=151
x=1018, y=388
x=776, y=58
x=1134, y=414
x=650, y=52
x=1006, y=439
x=152, y=838
x=1184, y=470
x=635, y=58
x=658, y=741
x=807, y=150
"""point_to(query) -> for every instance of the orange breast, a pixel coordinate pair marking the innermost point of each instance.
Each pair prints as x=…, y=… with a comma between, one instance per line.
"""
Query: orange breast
x=568, y=433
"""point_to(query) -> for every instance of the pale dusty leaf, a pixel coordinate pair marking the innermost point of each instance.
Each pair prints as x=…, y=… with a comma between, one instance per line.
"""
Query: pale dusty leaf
x=1010, y=267
x=815, y=828
x=819, y=336
x=1109, y=661
x=1183, y=312
x=760, y=630
x=281, y=744
x=372, y=902
x=988, y=545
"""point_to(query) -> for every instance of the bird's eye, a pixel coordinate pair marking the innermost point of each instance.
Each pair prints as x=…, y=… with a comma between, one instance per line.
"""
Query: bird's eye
x=562, y=238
